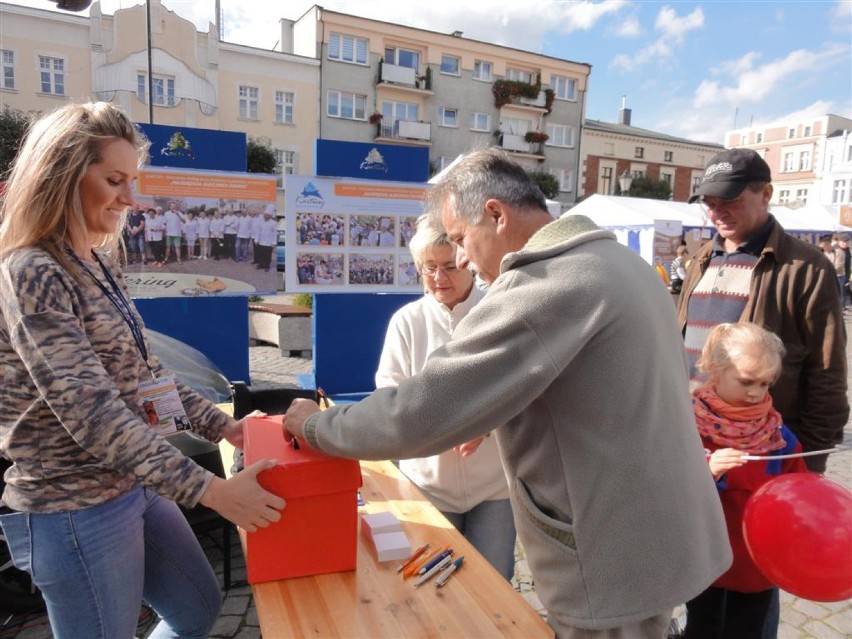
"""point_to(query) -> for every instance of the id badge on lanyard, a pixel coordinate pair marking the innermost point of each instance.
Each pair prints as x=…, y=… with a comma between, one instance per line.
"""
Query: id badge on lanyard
x=161, y=405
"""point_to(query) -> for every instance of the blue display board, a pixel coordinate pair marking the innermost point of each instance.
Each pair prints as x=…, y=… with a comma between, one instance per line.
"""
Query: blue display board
x=349, y=332
x=336, y=158
x=190, y=148
x=218, y=327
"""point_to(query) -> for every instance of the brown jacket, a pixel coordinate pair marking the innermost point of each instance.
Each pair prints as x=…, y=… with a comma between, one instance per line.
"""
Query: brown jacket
x=794, y=294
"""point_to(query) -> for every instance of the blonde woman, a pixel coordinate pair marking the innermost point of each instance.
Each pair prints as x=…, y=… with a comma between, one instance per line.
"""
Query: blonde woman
x=89, y=504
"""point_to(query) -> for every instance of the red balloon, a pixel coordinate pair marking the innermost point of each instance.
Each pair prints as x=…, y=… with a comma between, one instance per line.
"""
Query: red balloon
x=798, y=530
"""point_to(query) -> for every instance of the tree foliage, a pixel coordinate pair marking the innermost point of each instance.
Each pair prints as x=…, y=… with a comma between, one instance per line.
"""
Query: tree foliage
x=13, y=128
x=260, y=156
x=547, y=182
x=649, y=188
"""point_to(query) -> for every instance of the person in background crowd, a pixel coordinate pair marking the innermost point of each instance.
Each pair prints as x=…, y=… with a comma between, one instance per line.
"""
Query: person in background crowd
x=735, y=418
x=203, y=235
x=843, y=243
x=266, y=240
x=466, y=483
x=136, y=236
x=89, y=503
x=572, y=319
x=677, y=269
x=173, y=219
x=156, y=226
x=752, y=270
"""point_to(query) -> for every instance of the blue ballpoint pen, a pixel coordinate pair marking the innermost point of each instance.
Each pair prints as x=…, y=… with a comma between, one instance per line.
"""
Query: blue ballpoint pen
x=444, y=577
x=438, y=568
x=441, y=556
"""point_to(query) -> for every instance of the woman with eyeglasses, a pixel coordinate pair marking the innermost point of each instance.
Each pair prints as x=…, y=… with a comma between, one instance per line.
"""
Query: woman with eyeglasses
x=467, y=484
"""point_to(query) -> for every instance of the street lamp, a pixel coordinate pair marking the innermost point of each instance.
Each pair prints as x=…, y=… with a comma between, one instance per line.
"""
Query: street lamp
x=624, y=181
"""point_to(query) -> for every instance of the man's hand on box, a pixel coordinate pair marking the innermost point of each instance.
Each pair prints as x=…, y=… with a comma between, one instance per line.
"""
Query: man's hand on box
x=294, y=420
x=242, y=500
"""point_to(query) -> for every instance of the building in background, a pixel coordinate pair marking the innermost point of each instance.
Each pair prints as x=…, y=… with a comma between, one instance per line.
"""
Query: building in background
x=49, y=58
x=611, y=149
x=333, y=76
x=809, y=157
x=387, y=83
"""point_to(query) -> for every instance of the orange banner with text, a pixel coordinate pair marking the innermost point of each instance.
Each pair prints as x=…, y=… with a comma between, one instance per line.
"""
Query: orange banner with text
x=185, y=184
x=378, y=191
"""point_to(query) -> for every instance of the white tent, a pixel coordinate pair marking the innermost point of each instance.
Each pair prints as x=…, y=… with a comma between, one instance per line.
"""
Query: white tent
x=811, y=218
x=635, y=220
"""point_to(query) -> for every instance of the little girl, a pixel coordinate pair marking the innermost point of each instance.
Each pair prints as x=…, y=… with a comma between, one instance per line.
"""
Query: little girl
x=735, y=418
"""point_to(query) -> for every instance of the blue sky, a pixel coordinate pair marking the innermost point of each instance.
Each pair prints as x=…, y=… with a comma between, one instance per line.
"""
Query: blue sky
x=692, y=69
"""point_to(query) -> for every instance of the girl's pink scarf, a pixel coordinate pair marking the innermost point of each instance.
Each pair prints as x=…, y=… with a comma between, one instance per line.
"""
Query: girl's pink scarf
x=754, y=429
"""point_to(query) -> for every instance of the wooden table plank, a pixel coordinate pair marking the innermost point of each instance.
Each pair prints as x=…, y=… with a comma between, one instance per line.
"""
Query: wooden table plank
x=374, y=600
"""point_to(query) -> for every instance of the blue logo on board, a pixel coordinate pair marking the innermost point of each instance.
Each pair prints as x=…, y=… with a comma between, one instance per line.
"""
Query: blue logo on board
x=374, y=162
x=310, y=197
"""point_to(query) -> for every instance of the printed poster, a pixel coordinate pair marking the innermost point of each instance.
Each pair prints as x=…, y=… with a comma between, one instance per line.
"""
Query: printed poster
x=347, y=235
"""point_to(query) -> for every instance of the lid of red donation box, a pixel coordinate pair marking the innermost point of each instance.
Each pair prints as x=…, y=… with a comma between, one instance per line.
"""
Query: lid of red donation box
x=301, y=472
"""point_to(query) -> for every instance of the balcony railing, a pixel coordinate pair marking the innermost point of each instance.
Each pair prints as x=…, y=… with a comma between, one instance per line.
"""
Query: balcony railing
x=405, y=76
x=513, y=142
x=407, y=130
x=539, y=101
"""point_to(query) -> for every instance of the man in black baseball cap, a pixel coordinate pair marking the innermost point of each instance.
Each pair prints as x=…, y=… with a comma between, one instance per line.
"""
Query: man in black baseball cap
x=729, y=172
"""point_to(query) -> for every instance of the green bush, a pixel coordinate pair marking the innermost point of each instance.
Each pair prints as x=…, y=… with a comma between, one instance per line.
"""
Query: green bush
x=304, y=299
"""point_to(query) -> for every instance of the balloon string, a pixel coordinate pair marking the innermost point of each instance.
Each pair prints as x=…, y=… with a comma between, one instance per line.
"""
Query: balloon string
x=825, y=451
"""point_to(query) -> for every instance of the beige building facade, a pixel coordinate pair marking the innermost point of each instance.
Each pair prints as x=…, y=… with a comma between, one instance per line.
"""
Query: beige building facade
x=50, y=58
x=613, y=149
x=796, y=151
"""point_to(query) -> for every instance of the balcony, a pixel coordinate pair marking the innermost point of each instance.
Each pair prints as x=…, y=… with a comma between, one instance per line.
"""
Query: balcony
x=405, y=131
x=405, y=77
x=540, y=101
x=522, y=95
x=517, y=144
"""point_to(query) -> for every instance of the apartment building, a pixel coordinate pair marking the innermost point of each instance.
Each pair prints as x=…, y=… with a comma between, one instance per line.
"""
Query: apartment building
x=49, y=58
x=835, y=191
x=796, y=151
x=388, y=83
x=613, y=149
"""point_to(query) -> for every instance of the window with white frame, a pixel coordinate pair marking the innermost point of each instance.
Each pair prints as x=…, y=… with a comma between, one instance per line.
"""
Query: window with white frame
x=52, y=75
x=696, y=182
x=162, y=88
x=480, y=121
x=515, y=126
x=838, y=194
x=783, y=196
x=448, y=116
x=519, y=75
x=444, y=161
x=759, y=137
x=668, y=178
x=7, y=69
x=563, y=88
x=849, y=153
x=668, y=156
x=285, y=164
x=807, y=133
x=343, y=104
x=560, y=135
x=606, y=184
x=393, y=112
x=791, y=133
x=565, y=178
x=639, y=152
x=789, y=163
x=802, y=196
x=248, y=100
x=450, y=65
x=284, y=102
x=805, y=161
x=346, y=48
x=482, y=70
x=402, y=57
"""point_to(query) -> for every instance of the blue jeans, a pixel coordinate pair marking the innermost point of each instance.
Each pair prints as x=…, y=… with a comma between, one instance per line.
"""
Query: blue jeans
x=490, y=528
x=94, y=567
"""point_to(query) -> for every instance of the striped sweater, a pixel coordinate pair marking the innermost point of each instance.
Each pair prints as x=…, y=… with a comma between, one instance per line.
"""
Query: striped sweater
x=69, y=376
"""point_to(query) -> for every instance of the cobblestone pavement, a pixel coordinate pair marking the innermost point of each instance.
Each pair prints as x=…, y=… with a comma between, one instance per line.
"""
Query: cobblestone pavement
x=800, y=619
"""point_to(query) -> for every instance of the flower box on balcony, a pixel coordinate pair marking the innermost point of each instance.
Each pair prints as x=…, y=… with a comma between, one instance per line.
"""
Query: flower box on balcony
x=536, y=137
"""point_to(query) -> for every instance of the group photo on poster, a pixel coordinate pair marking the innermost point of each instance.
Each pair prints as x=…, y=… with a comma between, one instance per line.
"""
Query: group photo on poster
x=188, y=235
x=351, y=234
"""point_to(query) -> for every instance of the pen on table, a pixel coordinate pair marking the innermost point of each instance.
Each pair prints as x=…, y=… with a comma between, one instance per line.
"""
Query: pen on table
x=434, y=562
x=422, y=579
x=413, y=557
x=444, y=577
x=413, y=568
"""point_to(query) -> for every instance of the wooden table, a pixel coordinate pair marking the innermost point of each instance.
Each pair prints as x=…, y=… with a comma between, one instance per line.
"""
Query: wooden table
x=374, y=601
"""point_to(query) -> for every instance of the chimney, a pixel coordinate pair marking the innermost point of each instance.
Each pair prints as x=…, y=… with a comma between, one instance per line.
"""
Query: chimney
x=624, y=113
x=286, y=35
x=457, y=34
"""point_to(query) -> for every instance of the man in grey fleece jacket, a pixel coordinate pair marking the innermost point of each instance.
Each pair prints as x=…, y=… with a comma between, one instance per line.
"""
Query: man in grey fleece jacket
x=575, y=349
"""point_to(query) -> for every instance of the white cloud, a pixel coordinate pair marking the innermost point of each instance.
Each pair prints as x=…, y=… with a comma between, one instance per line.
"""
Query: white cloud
x=629, y=28
x=673, y=29
x=842, y=9
x=753, y=84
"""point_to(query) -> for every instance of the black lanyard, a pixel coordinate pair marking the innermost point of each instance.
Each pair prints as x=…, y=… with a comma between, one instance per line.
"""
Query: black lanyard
x=118, y=301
